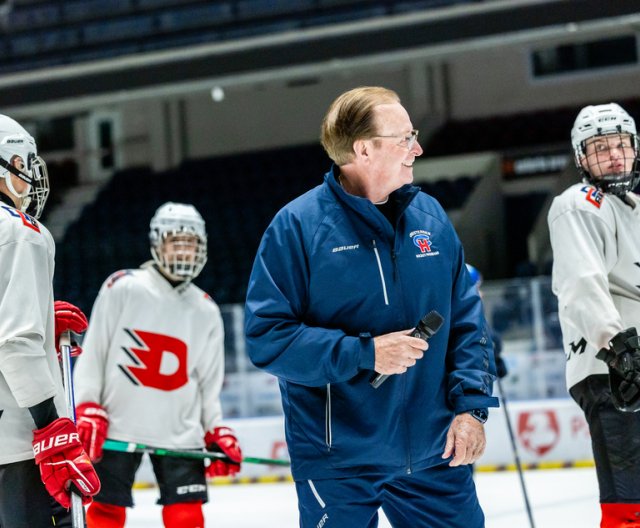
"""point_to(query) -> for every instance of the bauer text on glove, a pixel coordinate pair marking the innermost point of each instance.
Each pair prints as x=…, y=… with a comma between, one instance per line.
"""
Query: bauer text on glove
x=63, y=463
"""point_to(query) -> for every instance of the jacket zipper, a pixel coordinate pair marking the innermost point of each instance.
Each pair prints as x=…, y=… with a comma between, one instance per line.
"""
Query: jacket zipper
x=327, y=422
x=408, y=469
x=384, y=284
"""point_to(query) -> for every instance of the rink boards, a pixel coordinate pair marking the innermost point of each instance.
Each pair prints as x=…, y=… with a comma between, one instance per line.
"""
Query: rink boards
x=547, y=433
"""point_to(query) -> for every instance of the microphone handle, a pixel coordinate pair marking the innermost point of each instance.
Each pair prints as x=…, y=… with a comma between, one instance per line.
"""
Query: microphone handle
x=381, y=378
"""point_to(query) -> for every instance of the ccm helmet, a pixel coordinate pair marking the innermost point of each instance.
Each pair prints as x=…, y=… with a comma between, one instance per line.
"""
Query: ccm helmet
x=183, y=226
x=603, y=120
x=16, y=142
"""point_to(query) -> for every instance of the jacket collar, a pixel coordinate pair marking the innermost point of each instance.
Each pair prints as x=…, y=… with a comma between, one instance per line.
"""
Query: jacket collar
x=363, y=207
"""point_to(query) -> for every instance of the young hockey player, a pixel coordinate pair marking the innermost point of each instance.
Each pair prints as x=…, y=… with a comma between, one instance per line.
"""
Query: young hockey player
x=41, y=457
x=595, y=235
x=153, y=374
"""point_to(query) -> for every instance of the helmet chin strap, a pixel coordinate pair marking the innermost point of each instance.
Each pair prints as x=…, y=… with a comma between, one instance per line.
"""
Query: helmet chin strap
x=23, y=197
x=15, y=171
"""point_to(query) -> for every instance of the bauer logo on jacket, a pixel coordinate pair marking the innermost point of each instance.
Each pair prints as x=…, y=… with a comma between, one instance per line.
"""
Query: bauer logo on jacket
x=594, y=196
x=348, y=247
x=422, y=240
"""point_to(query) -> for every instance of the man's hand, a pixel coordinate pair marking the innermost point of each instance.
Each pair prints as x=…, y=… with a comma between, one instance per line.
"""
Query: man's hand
x=465, y=440
x=623, y=359
x=69, y=318
x=224, y=440
x=63, y=463
x=93, y=423
x=398, y=351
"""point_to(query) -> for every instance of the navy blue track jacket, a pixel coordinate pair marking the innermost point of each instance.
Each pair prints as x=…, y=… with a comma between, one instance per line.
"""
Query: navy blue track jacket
x=330, y=274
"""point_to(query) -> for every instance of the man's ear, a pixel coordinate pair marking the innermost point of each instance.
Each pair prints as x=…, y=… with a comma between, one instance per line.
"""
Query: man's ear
x=361, y=148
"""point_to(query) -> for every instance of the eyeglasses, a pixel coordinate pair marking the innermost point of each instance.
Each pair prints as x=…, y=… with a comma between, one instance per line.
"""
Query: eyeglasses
x=409, y=141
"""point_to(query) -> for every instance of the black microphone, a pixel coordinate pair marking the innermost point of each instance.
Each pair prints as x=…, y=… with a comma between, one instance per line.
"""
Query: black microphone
x=427, y=326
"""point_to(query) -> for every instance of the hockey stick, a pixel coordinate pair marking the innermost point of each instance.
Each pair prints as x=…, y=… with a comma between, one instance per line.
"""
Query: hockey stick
x=132, y=447
x=77, y=510
x=516, y=456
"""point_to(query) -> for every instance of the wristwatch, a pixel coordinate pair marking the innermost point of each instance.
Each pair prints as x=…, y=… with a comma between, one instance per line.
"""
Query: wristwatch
x=479, y=414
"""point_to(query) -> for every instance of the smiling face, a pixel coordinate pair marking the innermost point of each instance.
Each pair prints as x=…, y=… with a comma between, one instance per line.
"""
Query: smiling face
x=180, y=255
x=390, y=158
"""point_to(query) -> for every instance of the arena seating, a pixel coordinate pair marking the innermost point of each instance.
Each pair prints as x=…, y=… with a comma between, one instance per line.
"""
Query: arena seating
x=508, y=132
x=237, y=196
x=45, y=33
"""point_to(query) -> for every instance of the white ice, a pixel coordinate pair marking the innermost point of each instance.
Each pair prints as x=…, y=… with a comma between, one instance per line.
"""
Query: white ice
x=559, y=498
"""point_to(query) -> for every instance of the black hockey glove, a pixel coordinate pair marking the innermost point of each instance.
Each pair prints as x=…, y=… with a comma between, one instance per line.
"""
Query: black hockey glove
x=623, y=359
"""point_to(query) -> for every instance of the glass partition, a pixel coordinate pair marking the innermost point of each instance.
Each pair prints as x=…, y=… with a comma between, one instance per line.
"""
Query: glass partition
x=523, y=311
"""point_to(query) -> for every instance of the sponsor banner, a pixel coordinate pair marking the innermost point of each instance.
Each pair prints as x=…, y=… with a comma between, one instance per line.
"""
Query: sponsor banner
x=534, y=164
x=544, y=431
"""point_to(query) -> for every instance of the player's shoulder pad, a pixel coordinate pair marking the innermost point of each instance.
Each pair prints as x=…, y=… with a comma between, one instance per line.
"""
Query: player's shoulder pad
x=116, y=276
x=203, y=298
x=20, y=219
x=581, y=197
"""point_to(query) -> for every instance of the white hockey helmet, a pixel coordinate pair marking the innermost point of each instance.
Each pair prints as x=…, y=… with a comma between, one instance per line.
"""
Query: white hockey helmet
x=16, y=142
x=185, y=226
x=602, y=120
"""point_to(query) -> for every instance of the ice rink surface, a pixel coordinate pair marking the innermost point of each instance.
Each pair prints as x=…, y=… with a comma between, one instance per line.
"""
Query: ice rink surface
x=560, y=498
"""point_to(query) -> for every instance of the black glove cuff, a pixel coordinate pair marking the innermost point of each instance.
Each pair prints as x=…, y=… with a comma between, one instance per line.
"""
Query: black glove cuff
x=624, y=341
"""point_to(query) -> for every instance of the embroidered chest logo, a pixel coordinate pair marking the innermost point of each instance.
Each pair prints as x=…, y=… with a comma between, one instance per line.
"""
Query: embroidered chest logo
x=593, y=196
x=27, y=220
x=423, y=241
x=160, y=361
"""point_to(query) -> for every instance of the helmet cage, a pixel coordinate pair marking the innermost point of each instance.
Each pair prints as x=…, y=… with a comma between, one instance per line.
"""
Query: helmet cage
x=186, y=260
x=176, y=224
x=605, y=120
x=617, y=184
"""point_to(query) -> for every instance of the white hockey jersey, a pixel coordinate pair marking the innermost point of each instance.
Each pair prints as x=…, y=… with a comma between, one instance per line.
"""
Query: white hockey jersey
x=29, y=368
x=154, y=359
x=596, y=272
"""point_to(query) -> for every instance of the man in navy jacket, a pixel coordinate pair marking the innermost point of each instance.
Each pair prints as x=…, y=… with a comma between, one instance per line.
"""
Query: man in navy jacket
x=342, y=275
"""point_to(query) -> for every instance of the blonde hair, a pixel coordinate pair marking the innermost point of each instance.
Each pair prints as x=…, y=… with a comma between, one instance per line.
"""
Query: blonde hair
x=350, y=117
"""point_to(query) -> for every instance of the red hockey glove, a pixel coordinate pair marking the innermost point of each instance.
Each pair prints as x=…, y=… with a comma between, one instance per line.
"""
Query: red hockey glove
x=92, y=421
x=223, y=439
x=63, y=463
x=69, y=317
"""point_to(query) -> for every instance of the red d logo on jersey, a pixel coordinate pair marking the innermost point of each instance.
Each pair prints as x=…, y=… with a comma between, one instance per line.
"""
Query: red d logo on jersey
x=161, y=361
